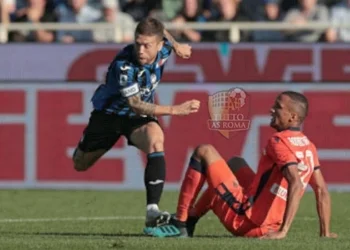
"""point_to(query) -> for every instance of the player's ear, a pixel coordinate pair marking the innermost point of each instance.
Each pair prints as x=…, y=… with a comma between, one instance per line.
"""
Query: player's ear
x=294, y=116
x=160, y=44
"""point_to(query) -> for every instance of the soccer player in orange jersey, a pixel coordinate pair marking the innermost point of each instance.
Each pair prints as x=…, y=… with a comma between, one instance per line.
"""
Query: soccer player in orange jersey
x=262, y=204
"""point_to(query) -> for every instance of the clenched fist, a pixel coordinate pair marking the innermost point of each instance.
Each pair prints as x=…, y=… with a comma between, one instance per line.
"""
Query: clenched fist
x=183, y=50
x=187, y=108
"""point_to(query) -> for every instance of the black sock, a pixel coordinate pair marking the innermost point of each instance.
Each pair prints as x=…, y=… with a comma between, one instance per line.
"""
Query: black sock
x=154, y=177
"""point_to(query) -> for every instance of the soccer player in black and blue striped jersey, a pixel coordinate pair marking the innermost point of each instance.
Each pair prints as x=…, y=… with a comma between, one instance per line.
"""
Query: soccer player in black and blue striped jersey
x=124, y=106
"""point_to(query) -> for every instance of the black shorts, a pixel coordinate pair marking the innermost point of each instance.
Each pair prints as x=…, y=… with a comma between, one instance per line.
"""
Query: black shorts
x=104, y=130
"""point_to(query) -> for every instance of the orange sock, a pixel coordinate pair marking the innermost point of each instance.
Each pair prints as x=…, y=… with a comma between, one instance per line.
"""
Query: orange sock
x=203, y=204
x=191, y=185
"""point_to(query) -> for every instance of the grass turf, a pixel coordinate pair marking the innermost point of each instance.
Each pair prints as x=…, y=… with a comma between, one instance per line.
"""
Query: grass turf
x=114, y=220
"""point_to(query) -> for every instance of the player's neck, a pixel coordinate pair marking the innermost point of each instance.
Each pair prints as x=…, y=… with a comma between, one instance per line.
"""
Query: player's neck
x=291, y=128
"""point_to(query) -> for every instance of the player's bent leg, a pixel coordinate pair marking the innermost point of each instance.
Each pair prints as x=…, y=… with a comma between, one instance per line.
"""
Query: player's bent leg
x=149, y=138
x=206, y=163
x=192, y=184
x=84, y=160
x=206, y=154
x=217, y=170
x=199, y=209
x=101, y=133
x=242, y=171
x=190, y=188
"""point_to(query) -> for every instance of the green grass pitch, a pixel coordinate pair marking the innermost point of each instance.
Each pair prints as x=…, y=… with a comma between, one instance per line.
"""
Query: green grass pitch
x=46, y=219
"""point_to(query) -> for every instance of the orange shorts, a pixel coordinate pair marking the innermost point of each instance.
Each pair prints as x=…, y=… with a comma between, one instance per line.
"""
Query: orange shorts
x=230, y=202
x=245, y=176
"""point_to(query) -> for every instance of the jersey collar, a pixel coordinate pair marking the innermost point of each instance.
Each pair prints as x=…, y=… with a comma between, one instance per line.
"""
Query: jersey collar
x=294, y=128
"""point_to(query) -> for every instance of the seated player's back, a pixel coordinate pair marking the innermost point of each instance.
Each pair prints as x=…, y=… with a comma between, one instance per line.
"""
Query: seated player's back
x=289, y=148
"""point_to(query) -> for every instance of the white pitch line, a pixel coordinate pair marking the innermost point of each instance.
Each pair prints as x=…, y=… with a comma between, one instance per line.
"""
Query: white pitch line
x=25, y=220
x=72, y=219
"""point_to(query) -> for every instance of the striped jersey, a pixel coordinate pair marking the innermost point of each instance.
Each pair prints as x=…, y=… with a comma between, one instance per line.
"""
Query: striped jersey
x=126, y=77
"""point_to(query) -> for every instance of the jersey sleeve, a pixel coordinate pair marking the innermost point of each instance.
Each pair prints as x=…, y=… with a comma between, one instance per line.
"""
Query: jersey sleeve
x=166, y=49
x=315, y=158
x=279, y=152
x=127, y=85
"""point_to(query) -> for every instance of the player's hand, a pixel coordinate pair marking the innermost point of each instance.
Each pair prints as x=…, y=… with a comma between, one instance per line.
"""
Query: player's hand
x=330, y=235
x=274, y=235
x=183, y=50
x=187, y=108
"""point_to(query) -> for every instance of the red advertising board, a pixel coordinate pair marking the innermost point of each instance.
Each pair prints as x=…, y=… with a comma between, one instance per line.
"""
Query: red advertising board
x=41, y=124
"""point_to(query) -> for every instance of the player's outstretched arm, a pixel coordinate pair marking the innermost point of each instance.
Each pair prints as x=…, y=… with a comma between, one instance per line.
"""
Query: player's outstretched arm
x=323, y=203
x=144, y=108
x=182, y=50
x=295, y=188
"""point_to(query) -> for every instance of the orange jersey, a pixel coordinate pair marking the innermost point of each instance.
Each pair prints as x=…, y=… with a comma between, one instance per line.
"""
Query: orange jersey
x=269, y=188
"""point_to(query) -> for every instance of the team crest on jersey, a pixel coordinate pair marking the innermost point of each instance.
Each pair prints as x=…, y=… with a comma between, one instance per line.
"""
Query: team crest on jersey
x=153, y=78
x=161, y=62
x=123, y=79
x=229, y=111
x=302, y=167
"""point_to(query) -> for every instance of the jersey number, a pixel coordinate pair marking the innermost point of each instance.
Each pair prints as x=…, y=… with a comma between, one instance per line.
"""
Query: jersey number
x=306, y=165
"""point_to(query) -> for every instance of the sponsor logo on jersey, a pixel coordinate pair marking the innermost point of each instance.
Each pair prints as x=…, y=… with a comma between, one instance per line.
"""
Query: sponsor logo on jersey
x=129, y=91
x=279, y=191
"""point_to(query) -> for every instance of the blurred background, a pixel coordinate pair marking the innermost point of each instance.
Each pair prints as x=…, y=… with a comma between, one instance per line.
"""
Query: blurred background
x=54, y=53
x=226, y=15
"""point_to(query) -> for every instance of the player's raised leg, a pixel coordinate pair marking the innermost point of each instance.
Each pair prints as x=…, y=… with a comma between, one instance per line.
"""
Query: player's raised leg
x=203, y=161
x=245, y=176
x=99, y=136
x=149, y=138
x=84, y=160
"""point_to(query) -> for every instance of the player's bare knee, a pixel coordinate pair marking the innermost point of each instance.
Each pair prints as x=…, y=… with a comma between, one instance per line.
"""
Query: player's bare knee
x=236, y=163
x=203, y=150
x=156, y=144
x=78, y=160
x=80, y=165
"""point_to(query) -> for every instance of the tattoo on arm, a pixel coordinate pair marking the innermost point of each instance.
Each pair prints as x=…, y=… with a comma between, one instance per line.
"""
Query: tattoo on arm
x=141, y=107
x=170, y=37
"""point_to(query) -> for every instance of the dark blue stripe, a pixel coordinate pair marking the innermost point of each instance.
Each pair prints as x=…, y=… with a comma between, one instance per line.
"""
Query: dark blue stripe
x=262, y=182
x=236, y=205
x=288, y=164
x=294, y=128
x=196, y=165
x=155, y=154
